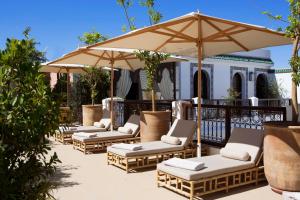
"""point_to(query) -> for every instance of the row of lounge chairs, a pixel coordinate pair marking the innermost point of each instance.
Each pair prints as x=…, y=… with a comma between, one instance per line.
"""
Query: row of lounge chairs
x=239, y=163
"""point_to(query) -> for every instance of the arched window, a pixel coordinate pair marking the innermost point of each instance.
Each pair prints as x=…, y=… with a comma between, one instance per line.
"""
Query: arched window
x=205, y=83
x=261, y=86
x=237, y=85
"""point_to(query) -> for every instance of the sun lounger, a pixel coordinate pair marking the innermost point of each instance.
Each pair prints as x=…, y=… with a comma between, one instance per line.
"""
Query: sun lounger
x=102, y=140
x=219, y=172
x=64, y=134
x=154, y=152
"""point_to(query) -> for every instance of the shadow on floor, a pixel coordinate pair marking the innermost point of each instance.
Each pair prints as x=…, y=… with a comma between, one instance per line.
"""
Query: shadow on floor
x=61, y=176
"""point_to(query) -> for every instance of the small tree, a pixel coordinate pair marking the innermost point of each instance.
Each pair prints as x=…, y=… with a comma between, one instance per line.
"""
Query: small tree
x=92, y=78
x=93, y=37
x=293, y=31
x=152, y=60
x=28, y=112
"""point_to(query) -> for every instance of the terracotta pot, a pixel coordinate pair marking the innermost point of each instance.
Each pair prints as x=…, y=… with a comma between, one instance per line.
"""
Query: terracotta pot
x=91, y=114
x=282, y=155
x=154, y=125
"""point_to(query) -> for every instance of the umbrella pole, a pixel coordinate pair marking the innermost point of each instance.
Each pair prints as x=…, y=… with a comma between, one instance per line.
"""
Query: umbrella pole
x=111, y=95
x=199, y=100
x=68, y=87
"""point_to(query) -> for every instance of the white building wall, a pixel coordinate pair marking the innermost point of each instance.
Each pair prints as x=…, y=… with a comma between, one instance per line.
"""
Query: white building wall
x=284, y=82
x=223, y=70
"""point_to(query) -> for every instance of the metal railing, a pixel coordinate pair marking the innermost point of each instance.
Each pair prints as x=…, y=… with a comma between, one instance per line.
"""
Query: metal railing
x=218, y=120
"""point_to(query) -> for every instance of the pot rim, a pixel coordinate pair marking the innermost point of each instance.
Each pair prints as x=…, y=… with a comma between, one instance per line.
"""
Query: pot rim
x=155, y=112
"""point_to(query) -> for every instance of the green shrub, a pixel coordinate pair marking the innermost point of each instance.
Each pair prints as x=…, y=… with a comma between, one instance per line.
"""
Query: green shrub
x=27, y=114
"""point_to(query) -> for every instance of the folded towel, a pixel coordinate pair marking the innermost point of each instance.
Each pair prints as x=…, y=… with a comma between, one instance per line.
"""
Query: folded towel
x=72, y=128
x=236, y=154
x=84, y=134
x=170, y=140
x=291, y=195
x=125, y=130
x=184, y=164
x=132, y=147
x=99, y=125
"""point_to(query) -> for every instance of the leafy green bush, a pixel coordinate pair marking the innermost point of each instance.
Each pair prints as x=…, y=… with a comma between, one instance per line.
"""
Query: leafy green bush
x=27, y=113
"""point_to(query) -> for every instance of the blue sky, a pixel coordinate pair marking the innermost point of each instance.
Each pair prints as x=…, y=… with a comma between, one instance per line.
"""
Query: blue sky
x=56, y=24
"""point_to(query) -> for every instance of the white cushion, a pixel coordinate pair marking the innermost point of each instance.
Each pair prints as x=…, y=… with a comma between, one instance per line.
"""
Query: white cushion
x=125, y=130
x=184, y=164
x=170, y=140
x=236, y=154
x=99, y=125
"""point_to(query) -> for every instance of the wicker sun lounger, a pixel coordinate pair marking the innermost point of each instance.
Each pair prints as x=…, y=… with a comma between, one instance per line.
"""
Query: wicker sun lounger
x=104, y=139
x=156, y=151
x=220, y=173
x=64, y=134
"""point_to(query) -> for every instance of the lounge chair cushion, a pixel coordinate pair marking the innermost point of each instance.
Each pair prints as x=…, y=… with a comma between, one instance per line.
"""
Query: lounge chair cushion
x=99, y=125
x=214, y=165
x=147, y=148
x=170, y=140
x=233, y=154
x=85, y=134
x=183, y=129
x=125, y=130
x=106, y=123
x=80, y=129
x=133, y=123
x=132, y=147
x=108, y=135
x=184, y=164
x=249, y=140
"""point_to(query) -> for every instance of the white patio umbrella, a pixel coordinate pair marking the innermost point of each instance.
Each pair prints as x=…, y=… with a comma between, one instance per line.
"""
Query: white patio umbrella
x=65, y=69
x=106, y=57
x=201, y=36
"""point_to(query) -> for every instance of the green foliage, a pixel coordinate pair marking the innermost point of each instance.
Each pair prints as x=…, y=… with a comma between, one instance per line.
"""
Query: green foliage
x=93, y=37
x=154, y=16
x=94, y=78
x=232, y=94
x=27, y=113
x=292, y=30
x=126, y=4
x=60, y=89
x=152, y=60
x=276, y=90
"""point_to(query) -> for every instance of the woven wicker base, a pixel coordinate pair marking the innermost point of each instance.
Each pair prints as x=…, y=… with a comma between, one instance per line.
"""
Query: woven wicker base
x=101, y=145
x=65, y=138
x=213, y=184
x=137, y=162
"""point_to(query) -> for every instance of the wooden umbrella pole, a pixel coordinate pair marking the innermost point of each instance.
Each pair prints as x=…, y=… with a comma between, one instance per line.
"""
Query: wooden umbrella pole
x=111, y=95
x=68, y=87
x=199, y=45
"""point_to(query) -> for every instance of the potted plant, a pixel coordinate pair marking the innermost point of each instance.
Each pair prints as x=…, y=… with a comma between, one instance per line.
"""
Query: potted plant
x=92, y=113
x=282, y=139
x=153, y=123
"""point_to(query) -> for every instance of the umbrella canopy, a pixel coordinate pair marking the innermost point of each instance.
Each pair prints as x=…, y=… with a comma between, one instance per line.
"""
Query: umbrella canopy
x=106, y=57
x=62, y=68
x=201, y=36
x=216, y=36
x=103, y=57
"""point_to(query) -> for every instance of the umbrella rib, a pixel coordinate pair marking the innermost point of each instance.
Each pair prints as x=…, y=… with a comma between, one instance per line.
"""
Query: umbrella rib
x=226, y=35
x=219, y=34
x=99, y=59
x=181, y=34
x=168, y=34
x=171, y=38
x=91, y=54
x=130, y=66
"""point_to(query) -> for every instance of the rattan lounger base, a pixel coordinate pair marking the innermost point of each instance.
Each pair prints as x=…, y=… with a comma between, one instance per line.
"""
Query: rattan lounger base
x=150, y=160
x=65, y=138
x=101, y=145
x=209, y=185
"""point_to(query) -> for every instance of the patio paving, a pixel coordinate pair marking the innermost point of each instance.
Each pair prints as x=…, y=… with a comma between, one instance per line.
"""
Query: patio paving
x=89, y=177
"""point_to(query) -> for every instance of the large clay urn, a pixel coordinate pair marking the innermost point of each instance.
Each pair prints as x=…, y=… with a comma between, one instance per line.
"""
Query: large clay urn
x=154, y=124
x=282, y=155
x=91, y=114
